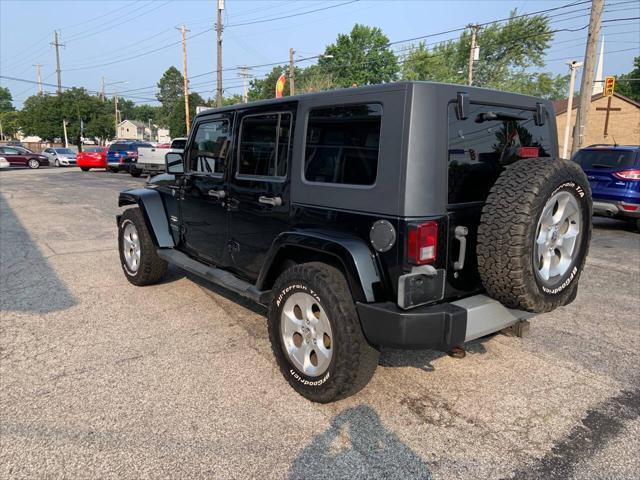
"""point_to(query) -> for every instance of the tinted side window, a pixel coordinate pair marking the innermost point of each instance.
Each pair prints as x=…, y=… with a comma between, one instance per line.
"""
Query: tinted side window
x=342, y=144
x=489, y=139
x=264, y=145
x=208, y=152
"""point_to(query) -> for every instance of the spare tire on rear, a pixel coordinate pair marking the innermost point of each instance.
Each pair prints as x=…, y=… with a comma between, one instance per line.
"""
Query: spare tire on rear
x=534, y=234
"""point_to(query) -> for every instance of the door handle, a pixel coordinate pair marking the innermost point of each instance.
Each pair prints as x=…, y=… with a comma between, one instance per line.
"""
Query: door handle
x=273, y=201
x=219, y=194
x=460, y=233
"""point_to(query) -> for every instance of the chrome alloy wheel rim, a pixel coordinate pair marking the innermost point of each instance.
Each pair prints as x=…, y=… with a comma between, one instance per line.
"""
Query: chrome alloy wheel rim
x=557, y=237
x=306, y=334
x=33, y=163
x=131, y=247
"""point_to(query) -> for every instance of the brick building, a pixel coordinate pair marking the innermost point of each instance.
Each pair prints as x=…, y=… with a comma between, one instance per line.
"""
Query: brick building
x=622, y=127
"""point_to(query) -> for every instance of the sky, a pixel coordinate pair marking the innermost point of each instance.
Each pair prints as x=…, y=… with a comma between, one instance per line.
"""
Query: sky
x=131, y=43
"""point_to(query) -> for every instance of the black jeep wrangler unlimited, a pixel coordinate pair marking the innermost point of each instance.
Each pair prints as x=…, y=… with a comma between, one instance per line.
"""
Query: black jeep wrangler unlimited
x=408, y=215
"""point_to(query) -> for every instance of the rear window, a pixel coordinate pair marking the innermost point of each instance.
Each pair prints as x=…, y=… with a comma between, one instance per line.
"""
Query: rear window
x=342, y=144
x=92, y=149
x=180, y=143
x=597, y=158
x=490, y=138
x=120, y=147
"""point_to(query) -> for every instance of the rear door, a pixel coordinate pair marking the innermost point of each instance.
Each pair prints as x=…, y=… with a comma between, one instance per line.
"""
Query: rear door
x=259, y=186
x=479, y=148
x=204, y=195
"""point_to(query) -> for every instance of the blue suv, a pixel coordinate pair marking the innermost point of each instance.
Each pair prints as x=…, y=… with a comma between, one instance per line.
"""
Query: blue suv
x=123, y=155
x=614, y=173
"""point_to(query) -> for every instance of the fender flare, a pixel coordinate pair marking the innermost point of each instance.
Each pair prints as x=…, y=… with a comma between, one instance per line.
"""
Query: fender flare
x=150, y=202
x=352, y=252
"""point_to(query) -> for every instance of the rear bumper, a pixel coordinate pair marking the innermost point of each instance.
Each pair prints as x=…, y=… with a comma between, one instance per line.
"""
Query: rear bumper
x=441, y=326
x=610, y=208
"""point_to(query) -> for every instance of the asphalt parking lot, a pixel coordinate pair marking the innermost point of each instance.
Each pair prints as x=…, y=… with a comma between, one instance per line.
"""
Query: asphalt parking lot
x=100, y=379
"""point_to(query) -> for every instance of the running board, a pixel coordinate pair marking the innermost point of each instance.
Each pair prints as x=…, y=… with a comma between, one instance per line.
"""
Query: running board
x=216, y=275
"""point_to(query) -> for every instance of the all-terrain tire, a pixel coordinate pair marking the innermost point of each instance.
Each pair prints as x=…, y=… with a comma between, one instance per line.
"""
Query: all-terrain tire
x=353, y=360
x=509, y=229
x=151, y=268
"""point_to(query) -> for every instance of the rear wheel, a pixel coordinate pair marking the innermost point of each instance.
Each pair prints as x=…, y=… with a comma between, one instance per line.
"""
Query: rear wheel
x=534, y=234
x=316, y=335
x=138, y=257
x=33, y=163
x=85, y=169
x=135, y=172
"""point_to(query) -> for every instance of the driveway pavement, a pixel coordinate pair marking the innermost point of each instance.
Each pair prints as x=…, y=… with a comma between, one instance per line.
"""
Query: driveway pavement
x=100, y=379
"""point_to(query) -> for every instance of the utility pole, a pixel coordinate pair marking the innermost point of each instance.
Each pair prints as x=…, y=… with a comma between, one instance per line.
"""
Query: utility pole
x=39, y=78
x=586, y=84
x=292, y=73
x=573, y=68
x=64, y=128
x=58, y=45
x=115, y=102
x=220, y=7
x=474, y=52
x=244, y=73
x=187, y=121
x=102, y=88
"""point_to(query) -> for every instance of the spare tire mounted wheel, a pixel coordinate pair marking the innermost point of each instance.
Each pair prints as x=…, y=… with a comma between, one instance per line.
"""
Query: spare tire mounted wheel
x=534, y=234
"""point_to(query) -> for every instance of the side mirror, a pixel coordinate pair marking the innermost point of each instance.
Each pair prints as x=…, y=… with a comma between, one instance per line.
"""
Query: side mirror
x=173, y=162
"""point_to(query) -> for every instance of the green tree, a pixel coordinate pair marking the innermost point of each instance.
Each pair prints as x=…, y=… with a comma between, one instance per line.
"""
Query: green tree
x=6, y=100
x=231, y=100
x=170, y=91
x=507, y=53
x=145, y=112
x=627, y=84
x=362, y=57
x=41, y=115
x=10, y=123
x=176, y=120
x=265, y=87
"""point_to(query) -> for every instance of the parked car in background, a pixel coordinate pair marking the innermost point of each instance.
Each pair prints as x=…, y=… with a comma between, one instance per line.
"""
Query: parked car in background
x=4, y=163
x=614, y=174
x=92, y=157
x=123, y=155
x=60, y=157
x=17, y=158
x=19, y=148
x=151, y=159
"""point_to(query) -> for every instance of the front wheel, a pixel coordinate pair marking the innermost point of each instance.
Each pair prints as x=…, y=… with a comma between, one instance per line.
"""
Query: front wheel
x=138, y=257
x=316, y=335
x=33, y=163
x=56, y=163
x=85, y=169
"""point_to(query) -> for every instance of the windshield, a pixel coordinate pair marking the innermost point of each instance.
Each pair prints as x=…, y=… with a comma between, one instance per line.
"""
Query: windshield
x=65, y=151
x=605, y=159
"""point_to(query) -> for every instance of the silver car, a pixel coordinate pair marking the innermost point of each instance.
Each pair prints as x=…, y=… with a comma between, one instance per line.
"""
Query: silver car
x=61, y=157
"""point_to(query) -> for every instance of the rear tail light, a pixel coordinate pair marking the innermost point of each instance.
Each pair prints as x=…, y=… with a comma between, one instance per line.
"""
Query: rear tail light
x=629, y=207
x=422, y=242
x=628, y=174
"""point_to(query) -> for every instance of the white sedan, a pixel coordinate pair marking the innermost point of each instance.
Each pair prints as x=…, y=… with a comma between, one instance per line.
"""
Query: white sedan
x=4, y=163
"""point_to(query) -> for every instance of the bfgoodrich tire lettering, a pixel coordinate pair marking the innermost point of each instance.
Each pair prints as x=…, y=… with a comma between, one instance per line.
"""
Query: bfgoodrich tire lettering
x=353, y=360
x=149, y=268
x=512, y=229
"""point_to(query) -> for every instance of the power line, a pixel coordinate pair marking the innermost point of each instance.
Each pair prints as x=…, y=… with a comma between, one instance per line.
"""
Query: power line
x=292, y=15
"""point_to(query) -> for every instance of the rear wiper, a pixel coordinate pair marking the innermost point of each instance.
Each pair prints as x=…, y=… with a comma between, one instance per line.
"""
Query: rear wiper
x=600, y=165
x=492, y=116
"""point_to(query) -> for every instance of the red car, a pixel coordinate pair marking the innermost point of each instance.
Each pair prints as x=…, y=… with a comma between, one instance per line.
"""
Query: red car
x=92, y=157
